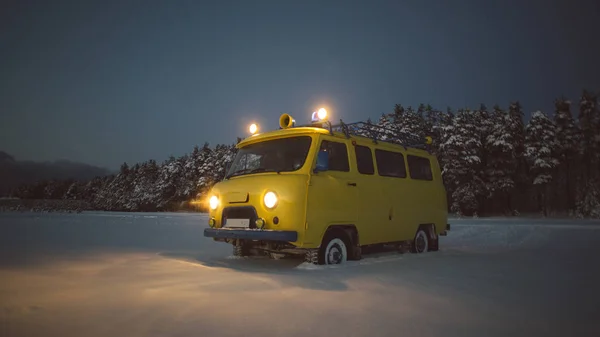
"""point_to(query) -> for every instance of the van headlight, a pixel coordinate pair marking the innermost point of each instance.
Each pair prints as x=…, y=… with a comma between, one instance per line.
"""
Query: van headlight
x=213, y=202
x=270, y=199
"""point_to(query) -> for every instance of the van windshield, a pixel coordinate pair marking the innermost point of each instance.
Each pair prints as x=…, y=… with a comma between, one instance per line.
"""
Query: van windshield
x=277, y=155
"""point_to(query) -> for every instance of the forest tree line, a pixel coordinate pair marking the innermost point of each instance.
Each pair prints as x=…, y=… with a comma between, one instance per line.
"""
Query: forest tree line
x=493, y=163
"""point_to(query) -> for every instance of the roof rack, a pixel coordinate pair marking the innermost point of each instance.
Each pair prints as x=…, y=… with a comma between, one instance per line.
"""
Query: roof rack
x=376, y=133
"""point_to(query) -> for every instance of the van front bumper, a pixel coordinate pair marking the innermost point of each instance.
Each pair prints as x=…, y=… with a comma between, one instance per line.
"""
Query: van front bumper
x=251, y=234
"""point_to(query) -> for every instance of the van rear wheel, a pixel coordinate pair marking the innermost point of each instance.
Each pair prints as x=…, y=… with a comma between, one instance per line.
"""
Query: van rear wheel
x=421, y=242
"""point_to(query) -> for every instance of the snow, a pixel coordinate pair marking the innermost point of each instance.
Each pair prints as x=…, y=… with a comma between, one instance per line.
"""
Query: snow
x=154, y=274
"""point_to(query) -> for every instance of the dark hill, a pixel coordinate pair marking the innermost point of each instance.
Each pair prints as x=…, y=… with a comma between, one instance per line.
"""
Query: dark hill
x=15, y=172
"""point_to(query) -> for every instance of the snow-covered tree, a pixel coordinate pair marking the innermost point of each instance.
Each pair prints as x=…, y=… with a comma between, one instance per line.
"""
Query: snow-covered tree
x=502, y=159
x=144, y=195
x=588, y=196
x=367, y=129
x=222, y=157
x=387, y=130
x=432, y=123
x=589, y=122
x=170, y=174
x=120, y=189
x=485, y=124
x=460, y=149
x=408, y=125
x=445, y=120
x=74, y=191
x=196, y=170
x=568, y=138
x=541, y=153
x=588, y=203
x=423, y=127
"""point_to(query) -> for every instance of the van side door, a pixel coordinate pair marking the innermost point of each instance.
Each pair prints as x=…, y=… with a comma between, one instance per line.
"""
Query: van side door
x=374, y=225
x=391, y=168
x=332, y=195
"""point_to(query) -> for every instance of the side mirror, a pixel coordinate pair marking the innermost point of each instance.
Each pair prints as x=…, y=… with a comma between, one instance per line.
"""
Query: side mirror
x=322, y=161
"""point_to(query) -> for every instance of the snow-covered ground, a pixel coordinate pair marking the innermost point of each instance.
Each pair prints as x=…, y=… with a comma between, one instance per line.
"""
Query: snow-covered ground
x=115, y=274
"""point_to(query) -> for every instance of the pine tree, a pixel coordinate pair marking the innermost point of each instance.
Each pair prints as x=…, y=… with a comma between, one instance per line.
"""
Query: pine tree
x=567, y=140
x=432, y=122
x=73, y=191
x=387, y=131
x=195, y=171
x=485, y=124
x=460, y=149
x=119, y=190
x=408, y=125
x=368, y=128
x=423, y=127
x=144, y=196
x=100, y=193
x=516, y=128
x=589, y=122
x=541, y=154
x=445, y=121
x=588, y=196
x=502, y=163
x=170, y=173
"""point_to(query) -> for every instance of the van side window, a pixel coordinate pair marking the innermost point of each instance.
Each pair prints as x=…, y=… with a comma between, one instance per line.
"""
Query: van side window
x=338, y=155
x=364, y=160
x=419, y=168
x=390, y=164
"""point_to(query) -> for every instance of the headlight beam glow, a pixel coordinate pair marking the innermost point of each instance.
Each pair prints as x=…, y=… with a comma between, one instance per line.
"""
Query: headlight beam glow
x=270, y=199
x=213, y=202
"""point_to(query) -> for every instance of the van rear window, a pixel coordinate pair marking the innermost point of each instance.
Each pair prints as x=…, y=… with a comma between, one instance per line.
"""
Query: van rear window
x=390, y=164
x=364, y=160
x=419, y=168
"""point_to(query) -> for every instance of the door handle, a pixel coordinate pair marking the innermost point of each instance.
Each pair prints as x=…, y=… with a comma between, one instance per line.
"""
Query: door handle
x=351, y=184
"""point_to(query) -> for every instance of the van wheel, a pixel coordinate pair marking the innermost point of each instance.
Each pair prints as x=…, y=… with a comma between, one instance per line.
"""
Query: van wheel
x=312, y=256
x=421, y=242
x=240, y=249
x=334, y=249
x=434, y=242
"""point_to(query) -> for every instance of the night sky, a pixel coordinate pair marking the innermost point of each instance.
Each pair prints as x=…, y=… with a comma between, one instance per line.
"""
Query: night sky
x=104, y=82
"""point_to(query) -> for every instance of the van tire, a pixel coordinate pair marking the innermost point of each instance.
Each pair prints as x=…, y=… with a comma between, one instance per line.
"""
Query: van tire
x=355, y=254
x=312, y=256
x=421, y=241
x=240, y=249
x=434, y=240
x=335, y=248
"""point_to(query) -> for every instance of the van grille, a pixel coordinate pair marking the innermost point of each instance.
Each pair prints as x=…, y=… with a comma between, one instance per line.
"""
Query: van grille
x=244, y=212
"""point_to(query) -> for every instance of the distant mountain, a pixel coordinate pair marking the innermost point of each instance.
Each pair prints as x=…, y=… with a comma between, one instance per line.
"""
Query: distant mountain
x=15, y=172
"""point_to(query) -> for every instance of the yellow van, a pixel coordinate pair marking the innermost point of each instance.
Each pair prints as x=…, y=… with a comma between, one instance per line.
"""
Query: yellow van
x=328, y=191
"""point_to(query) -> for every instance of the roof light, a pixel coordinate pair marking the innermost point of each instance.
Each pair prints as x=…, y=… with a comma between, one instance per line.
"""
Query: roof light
x=322, y=113
x=319, y=115
x=253, y=128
